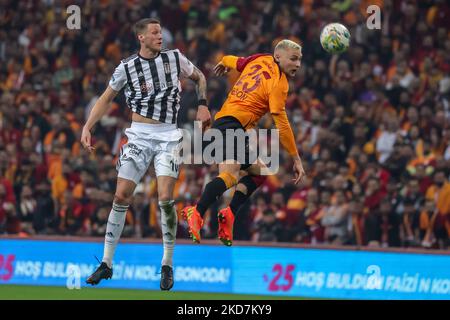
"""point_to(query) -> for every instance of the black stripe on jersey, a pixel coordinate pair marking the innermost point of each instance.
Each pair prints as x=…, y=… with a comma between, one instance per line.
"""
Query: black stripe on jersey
x=156, y=88
x=130, y=85
x=177, y=60
x=174, y=105
x=169, y=88
x=142, y=85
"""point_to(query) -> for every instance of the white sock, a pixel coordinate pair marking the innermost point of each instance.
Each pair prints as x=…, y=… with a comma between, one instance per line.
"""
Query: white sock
x=116, y=221
x=169, y=221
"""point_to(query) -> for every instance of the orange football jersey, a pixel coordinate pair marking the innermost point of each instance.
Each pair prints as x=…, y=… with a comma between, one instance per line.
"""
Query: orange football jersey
x=262, y=87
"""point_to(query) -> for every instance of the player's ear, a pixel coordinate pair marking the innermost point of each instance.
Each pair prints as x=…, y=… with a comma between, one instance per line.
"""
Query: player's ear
x=277, y=57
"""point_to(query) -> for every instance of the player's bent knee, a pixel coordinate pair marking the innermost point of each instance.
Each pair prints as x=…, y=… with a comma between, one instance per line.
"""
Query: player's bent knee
x=242, y=188
x=164, y=197
x=166, y=204
x=251, y=183
x=229, y=179
x=121, y=198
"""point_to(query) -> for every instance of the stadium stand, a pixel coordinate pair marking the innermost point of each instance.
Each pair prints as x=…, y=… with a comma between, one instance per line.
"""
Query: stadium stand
x=372, y=125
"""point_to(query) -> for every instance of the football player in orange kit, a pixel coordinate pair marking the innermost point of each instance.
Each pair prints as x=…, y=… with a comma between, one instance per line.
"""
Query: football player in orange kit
x=262, y=87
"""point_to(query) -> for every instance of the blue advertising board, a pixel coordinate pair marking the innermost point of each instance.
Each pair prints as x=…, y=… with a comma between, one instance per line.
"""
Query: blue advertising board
x=304, y=272
x=136, y=266
x=341, y=273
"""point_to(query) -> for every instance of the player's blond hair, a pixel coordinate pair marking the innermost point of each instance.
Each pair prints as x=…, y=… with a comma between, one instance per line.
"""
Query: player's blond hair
x=286, y=43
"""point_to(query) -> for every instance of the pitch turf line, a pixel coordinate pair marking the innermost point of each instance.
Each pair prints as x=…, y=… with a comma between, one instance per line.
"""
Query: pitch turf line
x=17, y=292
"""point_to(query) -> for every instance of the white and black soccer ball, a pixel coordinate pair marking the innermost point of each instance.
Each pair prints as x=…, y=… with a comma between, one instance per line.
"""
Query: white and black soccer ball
x=335, y=38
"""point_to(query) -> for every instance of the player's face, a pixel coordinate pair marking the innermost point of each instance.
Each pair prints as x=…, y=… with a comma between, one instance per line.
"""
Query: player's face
x=290, y=61
x=152, y=38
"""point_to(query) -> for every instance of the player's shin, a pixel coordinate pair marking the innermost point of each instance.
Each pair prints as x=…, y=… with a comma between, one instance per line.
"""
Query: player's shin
x=116, y=221
x=214, y=189
x=250, y=183
x=169, y=222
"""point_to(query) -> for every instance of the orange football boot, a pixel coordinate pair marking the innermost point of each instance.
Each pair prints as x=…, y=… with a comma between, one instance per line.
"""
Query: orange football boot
x=194, y=220
x=225, y=230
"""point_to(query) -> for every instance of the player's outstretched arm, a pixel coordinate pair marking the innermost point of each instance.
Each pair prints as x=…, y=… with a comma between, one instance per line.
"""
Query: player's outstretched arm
x=232, y=62
x=226, y=64
x=100, y=108
x=203, y=114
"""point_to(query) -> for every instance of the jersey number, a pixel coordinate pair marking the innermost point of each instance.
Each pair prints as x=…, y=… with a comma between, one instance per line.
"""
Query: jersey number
x=255, y=80
x=175, y=167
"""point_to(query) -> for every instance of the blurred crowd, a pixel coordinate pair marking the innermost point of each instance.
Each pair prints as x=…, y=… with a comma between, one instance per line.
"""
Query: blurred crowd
x=372, y=124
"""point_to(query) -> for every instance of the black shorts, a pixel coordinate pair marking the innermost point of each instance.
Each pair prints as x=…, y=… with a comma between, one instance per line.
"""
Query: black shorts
x=231, y=123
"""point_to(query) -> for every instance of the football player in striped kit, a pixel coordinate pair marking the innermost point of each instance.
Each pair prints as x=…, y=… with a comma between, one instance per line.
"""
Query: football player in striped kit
x=151, y=83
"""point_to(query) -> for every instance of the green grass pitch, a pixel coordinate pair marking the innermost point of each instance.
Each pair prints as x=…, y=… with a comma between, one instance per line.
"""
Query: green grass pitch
x=16, y=292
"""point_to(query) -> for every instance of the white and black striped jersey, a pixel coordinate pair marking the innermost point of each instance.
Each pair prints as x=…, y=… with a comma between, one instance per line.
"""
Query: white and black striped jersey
x=152, y=86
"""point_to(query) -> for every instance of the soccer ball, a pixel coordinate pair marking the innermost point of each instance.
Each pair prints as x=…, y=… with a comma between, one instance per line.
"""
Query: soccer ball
x=335, y=38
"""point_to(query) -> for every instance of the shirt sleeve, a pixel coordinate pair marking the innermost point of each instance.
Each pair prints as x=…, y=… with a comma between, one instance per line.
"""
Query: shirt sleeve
x=230, y=61
x=118, y=78
x=186, y=66
x=277, y=101
x=287, y=138
x=239, y=63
